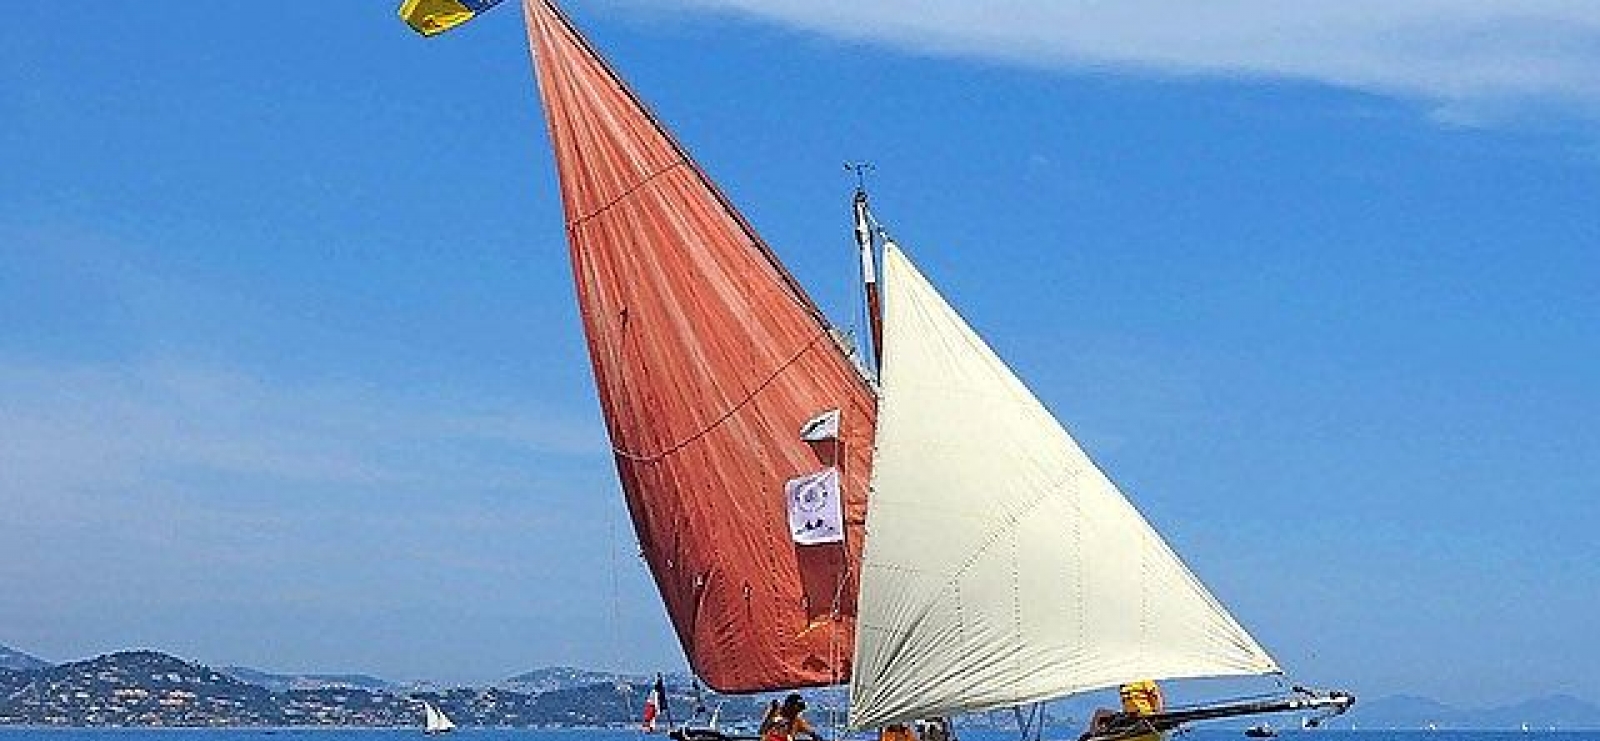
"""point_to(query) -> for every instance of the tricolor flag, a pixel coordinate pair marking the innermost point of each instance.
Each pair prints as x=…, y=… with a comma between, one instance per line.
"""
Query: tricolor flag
x=652, y=705
x=656, y=705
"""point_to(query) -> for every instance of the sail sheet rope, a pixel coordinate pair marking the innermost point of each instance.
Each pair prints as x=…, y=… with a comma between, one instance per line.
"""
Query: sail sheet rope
x=725, y=416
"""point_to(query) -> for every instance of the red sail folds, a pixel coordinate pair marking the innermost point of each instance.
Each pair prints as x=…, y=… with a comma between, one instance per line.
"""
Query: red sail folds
x=709, y=358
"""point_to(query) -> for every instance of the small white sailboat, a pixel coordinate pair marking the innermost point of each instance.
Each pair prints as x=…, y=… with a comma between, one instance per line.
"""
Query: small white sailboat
x=437, y=721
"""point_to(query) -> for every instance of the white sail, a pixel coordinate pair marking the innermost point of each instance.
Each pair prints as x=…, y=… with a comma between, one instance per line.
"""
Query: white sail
x=438, y=722
x=1001, y=566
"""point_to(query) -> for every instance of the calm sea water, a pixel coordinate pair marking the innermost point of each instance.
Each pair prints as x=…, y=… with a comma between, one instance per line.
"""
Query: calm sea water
x=501, y=734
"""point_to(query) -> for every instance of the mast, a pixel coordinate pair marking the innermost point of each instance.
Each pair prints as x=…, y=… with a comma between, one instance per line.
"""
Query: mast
x=865, y=231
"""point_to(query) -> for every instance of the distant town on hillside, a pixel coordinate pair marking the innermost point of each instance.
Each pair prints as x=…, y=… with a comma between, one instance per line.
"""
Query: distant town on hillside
x=149, y=688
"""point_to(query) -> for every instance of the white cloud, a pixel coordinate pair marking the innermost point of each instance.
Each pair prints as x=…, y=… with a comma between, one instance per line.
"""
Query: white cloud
x=75, y=429
x=1455, y=54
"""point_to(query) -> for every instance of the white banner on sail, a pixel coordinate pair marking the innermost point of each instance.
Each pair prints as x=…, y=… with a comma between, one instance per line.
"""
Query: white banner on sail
x=824, y=426
x=816, y=515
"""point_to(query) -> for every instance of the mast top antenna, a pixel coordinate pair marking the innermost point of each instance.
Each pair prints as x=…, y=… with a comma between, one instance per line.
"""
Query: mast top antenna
x=860, y=169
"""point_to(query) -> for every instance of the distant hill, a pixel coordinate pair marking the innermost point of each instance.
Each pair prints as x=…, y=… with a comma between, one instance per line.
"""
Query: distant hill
x=147, y=688
x=134, y=688
x=1558, y=711
x=18, y=661
x=552, y=678
x=286, y=682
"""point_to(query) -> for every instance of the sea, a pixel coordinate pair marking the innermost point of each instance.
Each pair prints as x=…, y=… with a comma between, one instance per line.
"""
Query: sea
x=512, y=734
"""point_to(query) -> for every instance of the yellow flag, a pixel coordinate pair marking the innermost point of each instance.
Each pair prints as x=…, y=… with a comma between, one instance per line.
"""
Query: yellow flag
x=433, y=17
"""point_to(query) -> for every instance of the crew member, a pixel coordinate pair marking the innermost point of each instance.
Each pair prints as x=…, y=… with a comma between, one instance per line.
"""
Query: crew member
x=789, y=724
x=1138, y=698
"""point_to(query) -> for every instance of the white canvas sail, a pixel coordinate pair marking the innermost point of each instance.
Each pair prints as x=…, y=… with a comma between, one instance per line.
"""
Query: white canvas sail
x=1001, y=565
x=437, y=721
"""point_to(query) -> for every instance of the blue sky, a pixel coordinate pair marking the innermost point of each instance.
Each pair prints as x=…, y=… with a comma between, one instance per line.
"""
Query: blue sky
x=291, y=376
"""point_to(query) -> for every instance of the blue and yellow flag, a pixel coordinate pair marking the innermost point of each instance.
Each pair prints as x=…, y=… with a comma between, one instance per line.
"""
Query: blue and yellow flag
x=433, y=17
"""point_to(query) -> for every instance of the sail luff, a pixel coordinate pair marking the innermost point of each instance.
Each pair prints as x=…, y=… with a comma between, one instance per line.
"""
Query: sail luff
x=708, y=358
x=1002, y=566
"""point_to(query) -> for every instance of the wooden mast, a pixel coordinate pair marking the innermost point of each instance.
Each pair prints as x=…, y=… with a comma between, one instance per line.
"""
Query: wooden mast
x=869, y=272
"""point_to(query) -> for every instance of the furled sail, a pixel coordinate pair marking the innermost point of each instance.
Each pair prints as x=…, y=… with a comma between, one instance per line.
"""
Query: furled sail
x=1002, y=567
x=709, y=359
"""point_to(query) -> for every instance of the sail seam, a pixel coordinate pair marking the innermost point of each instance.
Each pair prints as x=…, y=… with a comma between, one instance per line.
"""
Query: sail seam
x=1007, y=525
x=635, y=188
x=680, y=445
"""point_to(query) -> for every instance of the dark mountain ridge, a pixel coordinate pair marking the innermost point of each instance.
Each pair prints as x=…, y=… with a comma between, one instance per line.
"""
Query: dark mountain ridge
x=17, y=661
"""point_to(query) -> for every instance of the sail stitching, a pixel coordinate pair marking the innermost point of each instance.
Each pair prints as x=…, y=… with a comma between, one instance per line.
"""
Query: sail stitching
x=675, y=447
x=1009, y=524
x=1016, y=600
x=636, y=187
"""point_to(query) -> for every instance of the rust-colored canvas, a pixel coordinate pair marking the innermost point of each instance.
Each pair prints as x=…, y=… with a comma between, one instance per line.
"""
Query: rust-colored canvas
x=708, y=358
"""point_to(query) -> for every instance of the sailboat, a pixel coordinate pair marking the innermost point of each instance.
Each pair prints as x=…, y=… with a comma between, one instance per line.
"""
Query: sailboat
x=437, y=722
x=911, y=520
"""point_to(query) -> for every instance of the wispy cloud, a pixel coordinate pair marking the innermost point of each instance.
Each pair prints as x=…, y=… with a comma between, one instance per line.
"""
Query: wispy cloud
x=1462, y=57
x=71, y=427
x=140, y=502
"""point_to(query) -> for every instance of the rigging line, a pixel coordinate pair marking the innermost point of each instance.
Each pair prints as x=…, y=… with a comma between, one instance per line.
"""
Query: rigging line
x=635, y=188
x=616, y=613
x=834, y=652
x=675, y=447
x=834, y=658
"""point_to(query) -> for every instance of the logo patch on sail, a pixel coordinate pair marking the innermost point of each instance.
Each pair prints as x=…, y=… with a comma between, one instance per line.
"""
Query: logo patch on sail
x=815, y=514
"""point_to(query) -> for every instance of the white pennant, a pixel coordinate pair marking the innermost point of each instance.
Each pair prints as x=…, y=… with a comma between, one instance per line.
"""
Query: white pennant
x=824, y=426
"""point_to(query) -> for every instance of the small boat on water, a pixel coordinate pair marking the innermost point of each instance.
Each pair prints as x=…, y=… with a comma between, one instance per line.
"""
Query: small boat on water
x=1261, y=730
x=437, y=721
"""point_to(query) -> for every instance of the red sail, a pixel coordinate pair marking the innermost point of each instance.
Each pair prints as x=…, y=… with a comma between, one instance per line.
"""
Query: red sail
x=709, y=358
